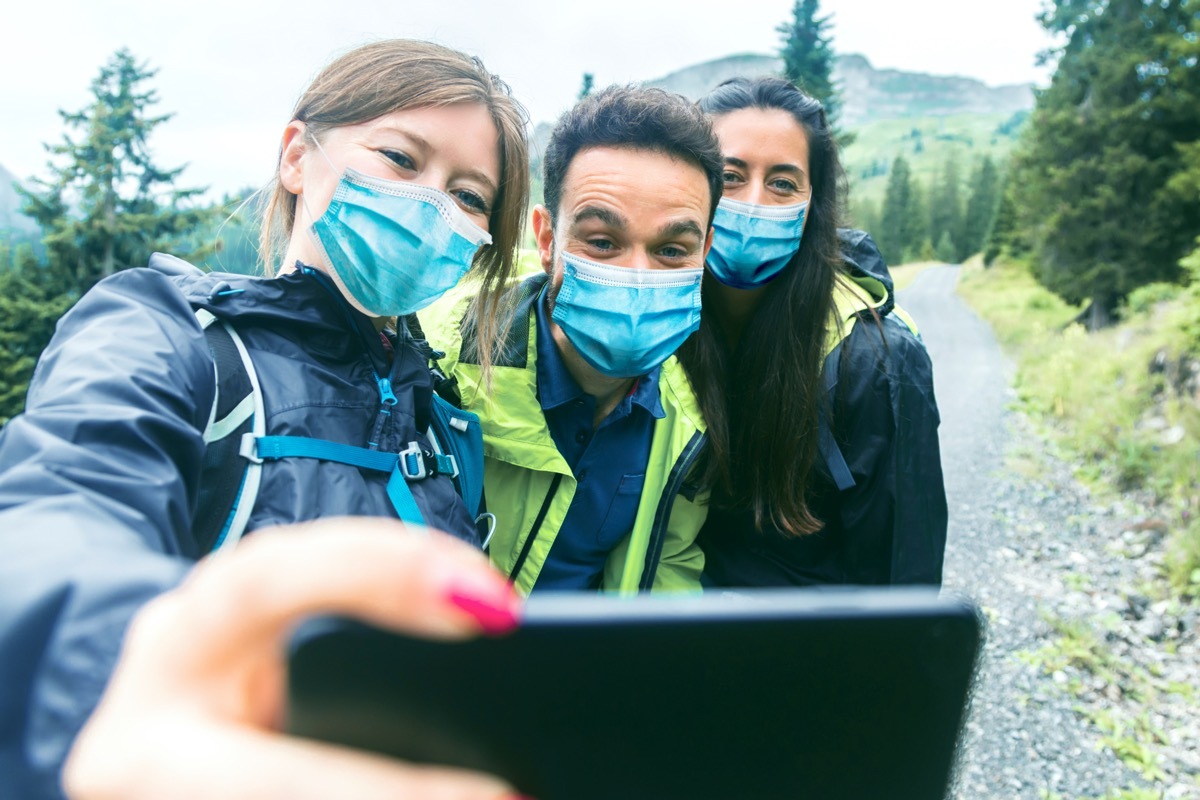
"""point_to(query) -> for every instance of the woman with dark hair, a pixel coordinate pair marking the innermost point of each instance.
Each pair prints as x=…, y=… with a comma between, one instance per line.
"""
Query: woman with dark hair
x=818, y=397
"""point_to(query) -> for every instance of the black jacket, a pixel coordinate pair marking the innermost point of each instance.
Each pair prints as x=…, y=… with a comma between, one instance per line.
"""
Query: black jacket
x=890, y=528
x=99, y=477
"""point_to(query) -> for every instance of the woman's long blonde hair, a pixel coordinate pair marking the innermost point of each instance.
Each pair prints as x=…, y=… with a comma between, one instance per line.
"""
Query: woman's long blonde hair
x=395, y=74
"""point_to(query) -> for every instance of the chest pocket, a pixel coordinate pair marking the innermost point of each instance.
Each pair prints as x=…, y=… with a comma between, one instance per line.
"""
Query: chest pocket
x=622, y=511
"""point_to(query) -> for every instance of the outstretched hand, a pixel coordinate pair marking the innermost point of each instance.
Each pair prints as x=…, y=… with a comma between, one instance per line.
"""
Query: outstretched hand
x=194, y=706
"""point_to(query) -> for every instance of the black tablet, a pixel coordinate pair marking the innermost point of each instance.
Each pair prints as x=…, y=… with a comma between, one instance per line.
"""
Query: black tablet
x=833, y=693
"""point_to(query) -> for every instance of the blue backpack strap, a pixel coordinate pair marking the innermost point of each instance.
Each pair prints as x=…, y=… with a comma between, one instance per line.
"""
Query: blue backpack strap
x=453, y=430
x=414, y=463
x=458, y=433
x=826, y=444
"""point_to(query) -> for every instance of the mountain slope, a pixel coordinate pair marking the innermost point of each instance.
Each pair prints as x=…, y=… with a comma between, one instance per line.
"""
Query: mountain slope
x=868, y=94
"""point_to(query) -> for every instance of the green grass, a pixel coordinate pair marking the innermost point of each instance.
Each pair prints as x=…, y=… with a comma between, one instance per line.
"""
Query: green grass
x=1079, y=649
x=926, y=143
x=1094, y=395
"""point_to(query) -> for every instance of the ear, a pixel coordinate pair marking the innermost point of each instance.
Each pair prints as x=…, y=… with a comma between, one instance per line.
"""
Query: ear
x=291, y=157
x=543, y=234
x=708, y=242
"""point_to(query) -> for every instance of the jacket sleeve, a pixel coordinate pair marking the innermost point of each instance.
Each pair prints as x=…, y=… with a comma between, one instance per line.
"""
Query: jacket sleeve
x=98, y=481
x=886, y=418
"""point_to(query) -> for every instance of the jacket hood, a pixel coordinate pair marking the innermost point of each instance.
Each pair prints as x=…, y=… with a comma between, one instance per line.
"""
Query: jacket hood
x=302, y=295
x=305, y=298
x=866, y=267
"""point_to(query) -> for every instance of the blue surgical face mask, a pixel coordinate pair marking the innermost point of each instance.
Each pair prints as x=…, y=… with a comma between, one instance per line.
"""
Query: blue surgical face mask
x=624, y=322
x=396, y=246
x=752, y=243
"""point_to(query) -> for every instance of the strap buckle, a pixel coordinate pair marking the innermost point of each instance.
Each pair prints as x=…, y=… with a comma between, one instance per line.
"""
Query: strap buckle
x=417, y=464
x=248, y=449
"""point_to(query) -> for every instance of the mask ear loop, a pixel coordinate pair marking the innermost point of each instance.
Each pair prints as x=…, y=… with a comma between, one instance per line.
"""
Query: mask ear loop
x=311, y=218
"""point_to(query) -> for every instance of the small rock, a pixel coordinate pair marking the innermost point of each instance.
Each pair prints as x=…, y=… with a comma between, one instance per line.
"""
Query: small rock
x=1152, y=628
x=1172, y=435
x=1136, y=605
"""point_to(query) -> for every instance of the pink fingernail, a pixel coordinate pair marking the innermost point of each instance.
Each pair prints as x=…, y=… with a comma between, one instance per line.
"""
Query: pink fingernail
x=495, y=615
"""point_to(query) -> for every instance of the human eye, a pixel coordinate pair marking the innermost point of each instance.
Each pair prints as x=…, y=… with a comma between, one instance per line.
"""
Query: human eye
x=731, y=178
x=784, y=185
x=601, y=244
x=471, y=201
x=398, y=158
x=673, y=251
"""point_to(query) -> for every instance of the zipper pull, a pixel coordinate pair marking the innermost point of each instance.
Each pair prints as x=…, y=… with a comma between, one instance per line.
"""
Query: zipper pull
x=386, y=396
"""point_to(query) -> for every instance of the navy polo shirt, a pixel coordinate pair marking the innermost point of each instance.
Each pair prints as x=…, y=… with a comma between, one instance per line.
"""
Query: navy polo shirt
x=609, y=463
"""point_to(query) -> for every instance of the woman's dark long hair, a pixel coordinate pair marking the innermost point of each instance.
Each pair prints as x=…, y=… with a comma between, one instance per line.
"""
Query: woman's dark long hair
x=761, y=402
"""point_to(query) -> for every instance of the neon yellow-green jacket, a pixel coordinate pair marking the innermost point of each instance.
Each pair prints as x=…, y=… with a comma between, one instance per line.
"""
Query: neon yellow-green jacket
x=528, y=484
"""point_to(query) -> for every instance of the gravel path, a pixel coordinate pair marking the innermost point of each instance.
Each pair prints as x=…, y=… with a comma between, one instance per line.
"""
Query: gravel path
x=1083, y=659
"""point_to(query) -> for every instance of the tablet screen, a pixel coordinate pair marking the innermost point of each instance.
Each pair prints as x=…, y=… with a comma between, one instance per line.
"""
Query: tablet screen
x=831, y=693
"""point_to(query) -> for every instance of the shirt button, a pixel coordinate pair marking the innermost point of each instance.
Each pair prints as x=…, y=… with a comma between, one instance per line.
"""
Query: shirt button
x=579, y=402
x=581, y=437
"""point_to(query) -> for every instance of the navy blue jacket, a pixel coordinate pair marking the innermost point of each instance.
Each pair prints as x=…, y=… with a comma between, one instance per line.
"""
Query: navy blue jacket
x=890, y=528
x=99, y=476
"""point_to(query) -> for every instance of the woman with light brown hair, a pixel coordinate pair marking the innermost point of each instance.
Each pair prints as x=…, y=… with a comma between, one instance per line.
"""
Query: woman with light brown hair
x=404, y=168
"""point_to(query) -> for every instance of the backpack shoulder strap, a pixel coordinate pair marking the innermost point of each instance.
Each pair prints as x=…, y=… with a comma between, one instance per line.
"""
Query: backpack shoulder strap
x=827, y=445
x=452, y=430
x=457, y=433
x=228, y=482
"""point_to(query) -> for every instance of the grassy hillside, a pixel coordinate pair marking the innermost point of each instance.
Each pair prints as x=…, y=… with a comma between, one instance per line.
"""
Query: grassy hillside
x=926, y=143
x=1122, y=403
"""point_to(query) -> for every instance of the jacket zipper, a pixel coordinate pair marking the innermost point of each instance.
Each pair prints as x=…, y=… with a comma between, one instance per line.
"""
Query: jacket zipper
x=662, y=515
x=537, y=525
x=387, y=397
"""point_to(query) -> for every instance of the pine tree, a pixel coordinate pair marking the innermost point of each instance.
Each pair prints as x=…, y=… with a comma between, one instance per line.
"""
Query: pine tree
x=807, y=53
x=945, y=250
x=981, y=208
x=915, y=229
x=30, y=306
x=108, y=206
x=864, y=215
x=586, y=85
x=893, y=236
x=1005, y=236
x=1103, y=144
x=945, y=210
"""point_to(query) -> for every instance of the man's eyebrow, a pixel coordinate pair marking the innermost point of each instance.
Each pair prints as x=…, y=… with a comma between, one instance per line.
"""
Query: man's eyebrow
x=605, y=215
x=674, y=230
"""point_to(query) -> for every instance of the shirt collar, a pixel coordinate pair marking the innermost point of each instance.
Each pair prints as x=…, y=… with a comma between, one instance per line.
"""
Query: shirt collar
x=555, y=385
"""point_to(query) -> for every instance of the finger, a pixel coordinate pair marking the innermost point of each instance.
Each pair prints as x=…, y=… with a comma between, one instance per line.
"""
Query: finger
x=375, y=569
x=207, y=761
x=319, y=771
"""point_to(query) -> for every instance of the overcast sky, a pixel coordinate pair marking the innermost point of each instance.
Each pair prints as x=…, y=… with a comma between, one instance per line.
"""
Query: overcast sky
x=230, y=70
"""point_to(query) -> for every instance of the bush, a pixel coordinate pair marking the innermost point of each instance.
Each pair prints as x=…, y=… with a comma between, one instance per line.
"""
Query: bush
x=1099, y=398
x=1144, y=298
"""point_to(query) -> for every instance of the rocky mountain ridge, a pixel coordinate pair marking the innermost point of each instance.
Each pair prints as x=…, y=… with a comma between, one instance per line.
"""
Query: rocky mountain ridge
x=868, y=94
